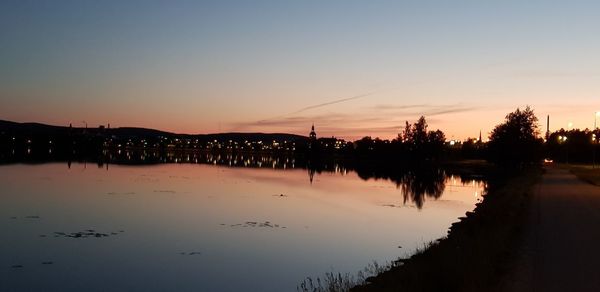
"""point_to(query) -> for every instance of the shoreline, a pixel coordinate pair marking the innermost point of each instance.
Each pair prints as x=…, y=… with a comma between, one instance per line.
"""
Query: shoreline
x=478, y=250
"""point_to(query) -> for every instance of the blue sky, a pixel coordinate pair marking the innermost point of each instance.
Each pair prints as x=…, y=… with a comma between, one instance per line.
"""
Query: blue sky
x=201, y=66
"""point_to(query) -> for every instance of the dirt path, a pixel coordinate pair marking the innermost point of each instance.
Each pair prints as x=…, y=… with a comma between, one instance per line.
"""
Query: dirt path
x=561, y=249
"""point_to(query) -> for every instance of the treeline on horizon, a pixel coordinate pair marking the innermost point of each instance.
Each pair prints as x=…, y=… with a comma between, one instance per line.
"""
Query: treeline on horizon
x=515, y=142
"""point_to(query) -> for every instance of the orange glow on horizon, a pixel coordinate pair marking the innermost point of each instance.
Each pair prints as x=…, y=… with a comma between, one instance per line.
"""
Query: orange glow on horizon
x=455, y=126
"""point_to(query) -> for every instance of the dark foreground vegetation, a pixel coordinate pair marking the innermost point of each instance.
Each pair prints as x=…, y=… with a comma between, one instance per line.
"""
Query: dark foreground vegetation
x=478, y=249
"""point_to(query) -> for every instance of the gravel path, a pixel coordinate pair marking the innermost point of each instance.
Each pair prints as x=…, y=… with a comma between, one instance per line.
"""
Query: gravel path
x=561, y=248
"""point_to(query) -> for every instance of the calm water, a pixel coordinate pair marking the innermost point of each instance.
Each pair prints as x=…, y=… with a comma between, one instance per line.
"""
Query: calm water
x=190, y=227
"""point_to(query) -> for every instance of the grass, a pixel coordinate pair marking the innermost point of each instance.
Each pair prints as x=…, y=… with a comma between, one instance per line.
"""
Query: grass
x=337, y=282
x=478, y=250
x=586, y=173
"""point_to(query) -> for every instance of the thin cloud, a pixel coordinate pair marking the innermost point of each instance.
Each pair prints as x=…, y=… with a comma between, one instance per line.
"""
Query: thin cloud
x=332, y=102
x=399, y=107
x=331, y=118
x=450, y=111
x=382, y=120
x=357, y=120
x=427, y=109
x=315, y=106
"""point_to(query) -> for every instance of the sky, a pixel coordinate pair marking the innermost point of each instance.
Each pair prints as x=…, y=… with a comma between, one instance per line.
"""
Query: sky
x=353, y=68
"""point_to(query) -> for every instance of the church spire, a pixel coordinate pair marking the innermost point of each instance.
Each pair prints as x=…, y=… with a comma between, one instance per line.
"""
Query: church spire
x=312, y=135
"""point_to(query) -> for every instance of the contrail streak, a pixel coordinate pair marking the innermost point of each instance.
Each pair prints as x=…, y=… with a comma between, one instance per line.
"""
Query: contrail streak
x=320, y=105
x=332, y=102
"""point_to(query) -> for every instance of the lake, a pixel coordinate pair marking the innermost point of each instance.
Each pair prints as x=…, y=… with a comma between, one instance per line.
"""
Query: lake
x=204, y=227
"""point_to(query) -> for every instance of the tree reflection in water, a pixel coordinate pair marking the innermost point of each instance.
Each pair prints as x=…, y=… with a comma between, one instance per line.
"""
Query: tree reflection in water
x=416, y=185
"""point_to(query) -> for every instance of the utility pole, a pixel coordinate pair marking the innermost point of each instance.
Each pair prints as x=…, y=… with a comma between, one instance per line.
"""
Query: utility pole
x=569, y=126
x=594, y=140
x=547, y=128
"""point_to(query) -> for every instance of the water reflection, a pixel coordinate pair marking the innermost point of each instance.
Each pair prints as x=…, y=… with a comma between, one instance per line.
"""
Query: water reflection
x=213, y=222
x=415, y=184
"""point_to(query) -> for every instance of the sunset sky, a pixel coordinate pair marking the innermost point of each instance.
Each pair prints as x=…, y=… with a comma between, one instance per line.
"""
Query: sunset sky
x=353, y=68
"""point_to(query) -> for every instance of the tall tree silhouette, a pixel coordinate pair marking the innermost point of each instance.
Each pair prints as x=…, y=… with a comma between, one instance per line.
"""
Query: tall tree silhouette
x=516, y=141
x=421, y=144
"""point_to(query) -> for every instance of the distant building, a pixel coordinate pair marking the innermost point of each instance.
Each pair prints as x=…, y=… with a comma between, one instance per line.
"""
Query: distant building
x=312, y=138
x=327, y=143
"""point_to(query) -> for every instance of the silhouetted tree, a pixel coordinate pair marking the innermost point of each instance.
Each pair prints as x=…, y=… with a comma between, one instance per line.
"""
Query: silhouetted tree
x=515, y=142
x=435, y=143
x=364, y=146
x=572, y=146
x=419, y=132
x=472, y=148
x=406, y=134
x=419, y=143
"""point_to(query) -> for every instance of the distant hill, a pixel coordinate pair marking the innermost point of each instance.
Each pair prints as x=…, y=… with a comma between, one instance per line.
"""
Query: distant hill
x=32, y=128
x=37, y=129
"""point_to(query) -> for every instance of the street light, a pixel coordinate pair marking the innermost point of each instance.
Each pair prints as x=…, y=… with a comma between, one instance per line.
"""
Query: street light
x=562, y=140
